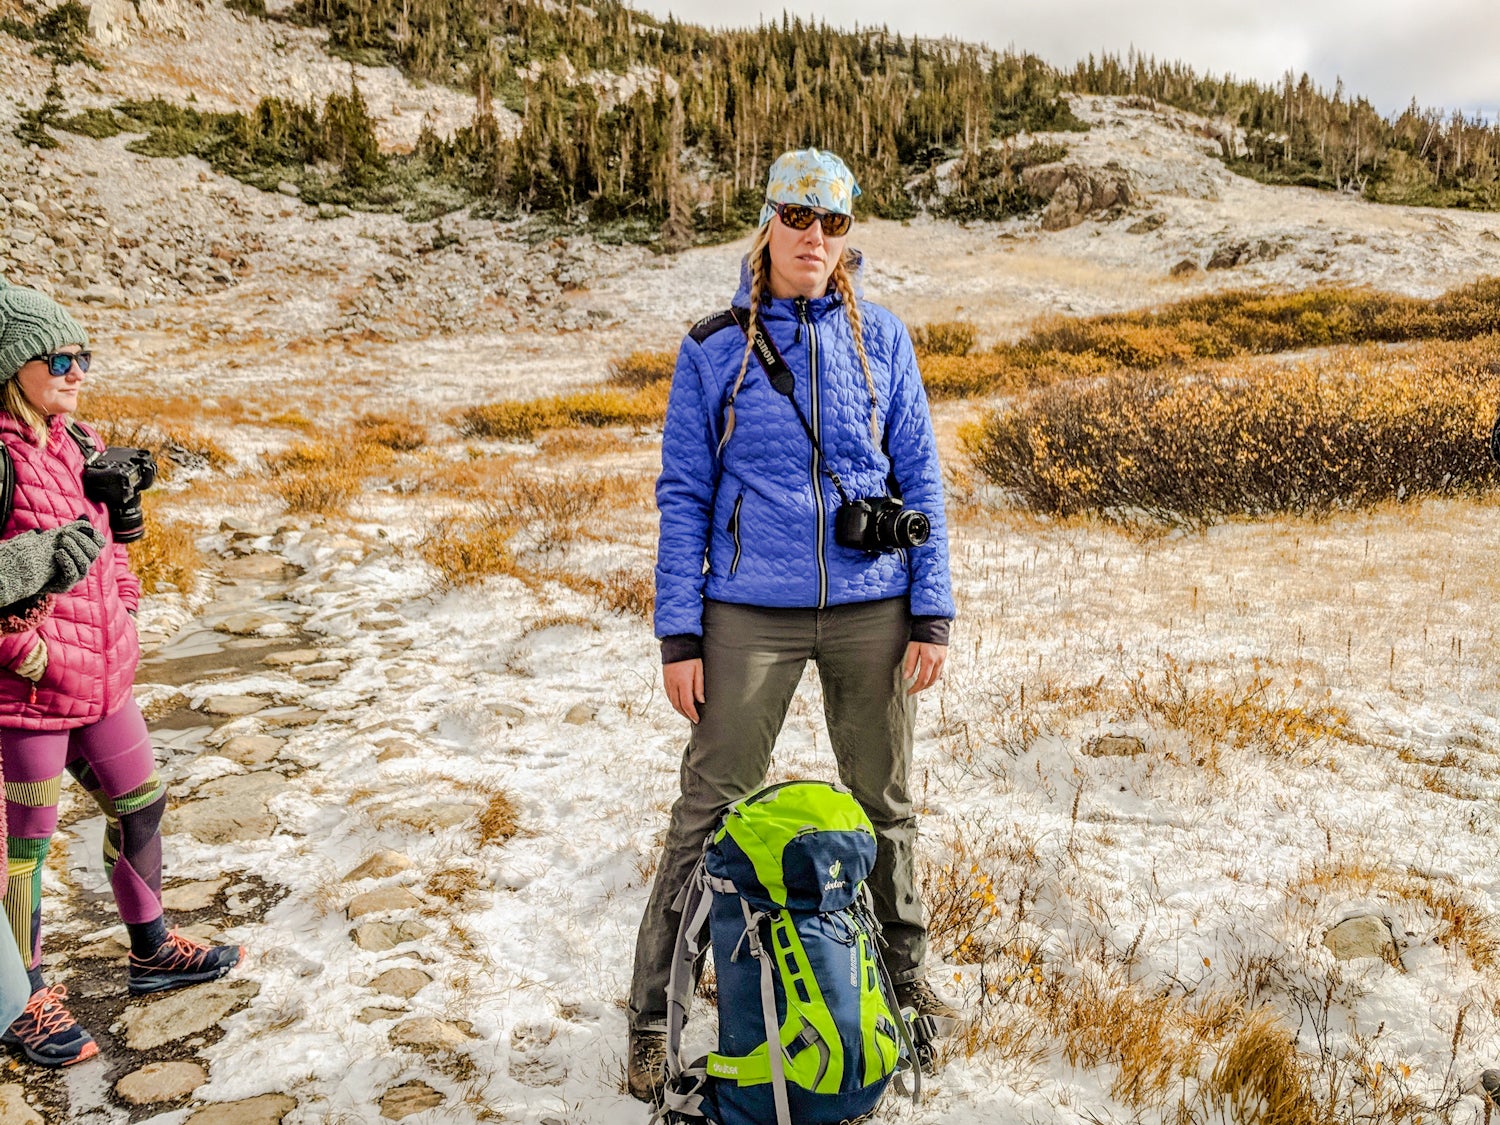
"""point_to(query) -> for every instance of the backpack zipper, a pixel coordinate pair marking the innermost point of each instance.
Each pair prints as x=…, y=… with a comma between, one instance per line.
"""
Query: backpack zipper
x=816, y=423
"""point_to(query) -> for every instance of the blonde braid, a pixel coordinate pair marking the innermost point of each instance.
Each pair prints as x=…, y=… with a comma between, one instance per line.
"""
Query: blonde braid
x=759, y=258
x=845, y=285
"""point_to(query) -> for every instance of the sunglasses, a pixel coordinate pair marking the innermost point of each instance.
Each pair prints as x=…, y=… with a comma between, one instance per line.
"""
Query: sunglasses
x=799, y=217
x=60, y=363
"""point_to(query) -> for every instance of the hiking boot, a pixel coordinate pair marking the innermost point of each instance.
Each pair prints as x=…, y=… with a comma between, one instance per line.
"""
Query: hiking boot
x=923, y=999
x=180, y=961
x=47, y=1033
x=648, y=1065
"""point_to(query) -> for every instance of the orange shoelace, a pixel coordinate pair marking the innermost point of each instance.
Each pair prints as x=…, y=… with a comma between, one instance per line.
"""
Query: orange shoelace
x=48, y=1016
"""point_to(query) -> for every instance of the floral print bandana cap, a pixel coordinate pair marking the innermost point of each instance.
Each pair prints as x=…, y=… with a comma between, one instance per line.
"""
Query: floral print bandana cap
x=812, y=178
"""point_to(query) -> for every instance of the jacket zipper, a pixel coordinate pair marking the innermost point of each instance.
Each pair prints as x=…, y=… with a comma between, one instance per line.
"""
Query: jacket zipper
x=816, y=423
x=734, y=533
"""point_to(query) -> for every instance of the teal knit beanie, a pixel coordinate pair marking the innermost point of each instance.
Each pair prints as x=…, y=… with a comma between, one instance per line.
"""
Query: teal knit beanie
x=32, y=324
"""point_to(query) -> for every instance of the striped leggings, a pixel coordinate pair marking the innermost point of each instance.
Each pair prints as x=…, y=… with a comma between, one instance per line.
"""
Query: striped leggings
x=113, y=760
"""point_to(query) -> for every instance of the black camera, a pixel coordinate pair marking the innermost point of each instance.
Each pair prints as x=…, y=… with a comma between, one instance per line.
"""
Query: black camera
x=879, y=523
x=116, y=478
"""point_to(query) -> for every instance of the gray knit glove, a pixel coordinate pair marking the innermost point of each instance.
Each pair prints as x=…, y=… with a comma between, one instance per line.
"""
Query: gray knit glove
x=47, y=562
x=74, y=550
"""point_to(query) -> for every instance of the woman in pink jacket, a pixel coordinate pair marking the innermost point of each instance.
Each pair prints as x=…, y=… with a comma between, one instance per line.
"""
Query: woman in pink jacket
x=65, y=692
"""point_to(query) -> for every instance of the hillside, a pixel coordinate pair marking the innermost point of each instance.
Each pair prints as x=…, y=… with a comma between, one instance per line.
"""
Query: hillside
x=1163, y=766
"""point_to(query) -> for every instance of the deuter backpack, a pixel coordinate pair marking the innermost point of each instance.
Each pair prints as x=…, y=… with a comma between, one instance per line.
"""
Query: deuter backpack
x=796, y=961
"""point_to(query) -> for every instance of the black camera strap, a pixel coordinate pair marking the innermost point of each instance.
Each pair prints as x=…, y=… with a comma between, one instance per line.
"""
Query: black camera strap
x=783, y=381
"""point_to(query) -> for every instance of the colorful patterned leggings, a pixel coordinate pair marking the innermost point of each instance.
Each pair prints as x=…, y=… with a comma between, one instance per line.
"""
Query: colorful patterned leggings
x=113, y=760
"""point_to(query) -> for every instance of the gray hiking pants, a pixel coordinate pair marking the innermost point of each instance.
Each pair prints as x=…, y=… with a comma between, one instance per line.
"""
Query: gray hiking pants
x=752, y=661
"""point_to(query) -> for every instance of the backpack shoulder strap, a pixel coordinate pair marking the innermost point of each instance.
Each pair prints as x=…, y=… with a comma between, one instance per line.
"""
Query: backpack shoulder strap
x=712, y=325
x=693, y=903
x=7, y=486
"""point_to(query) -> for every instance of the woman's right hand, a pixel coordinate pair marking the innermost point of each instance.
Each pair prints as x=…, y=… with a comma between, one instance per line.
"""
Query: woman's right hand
x=35, y=663
x=684, y=683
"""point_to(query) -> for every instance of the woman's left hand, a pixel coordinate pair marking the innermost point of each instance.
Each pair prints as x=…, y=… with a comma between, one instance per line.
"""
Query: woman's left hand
x=923, y=665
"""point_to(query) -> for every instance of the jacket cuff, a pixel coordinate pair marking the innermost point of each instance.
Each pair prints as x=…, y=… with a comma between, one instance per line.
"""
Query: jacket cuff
x=931, y=630
x=18, y=617
x=681, y=646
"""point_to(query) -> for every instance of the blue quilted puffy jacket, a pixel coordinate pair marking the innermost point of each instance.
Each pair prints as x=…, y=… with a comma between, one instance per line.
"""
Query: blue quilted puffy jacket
x=756, y=527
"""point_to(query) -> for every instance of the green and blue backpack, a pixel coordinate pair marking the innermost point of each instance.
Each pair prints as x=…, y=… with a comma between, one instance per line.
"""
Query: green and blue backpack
x=797, y=962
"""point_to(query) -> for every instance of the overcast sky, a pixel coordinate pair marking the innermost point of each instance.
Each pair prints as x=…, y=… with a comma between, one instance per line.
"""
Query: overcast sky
x=1445, y=53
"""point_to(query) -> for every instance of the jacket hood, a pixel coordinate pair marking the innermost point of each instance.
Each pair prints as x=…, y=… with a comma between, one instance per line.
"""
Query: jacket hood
x=818, y=304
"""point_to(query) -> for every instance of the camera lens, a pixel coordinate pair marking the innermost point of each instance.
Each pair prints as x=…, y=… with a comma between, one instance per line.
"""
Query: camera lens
x=910, y=528
x=127, y=522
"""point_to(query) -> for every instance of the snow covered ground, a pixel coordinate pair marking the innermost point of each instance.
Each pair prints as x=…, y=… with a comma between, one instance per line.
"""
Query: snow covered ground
x=1176, y=762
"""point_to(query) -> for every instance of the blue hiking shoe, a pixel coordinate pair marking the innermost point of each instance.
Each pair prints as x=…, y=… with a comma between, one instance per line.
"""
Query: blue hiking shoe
x=47, y=1033
x=180, y=961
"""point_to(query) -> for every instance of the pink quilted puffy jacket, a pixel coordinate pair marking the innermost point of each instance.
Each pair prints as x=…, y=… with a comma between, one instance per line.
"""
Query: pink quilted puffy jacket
x=92, y=649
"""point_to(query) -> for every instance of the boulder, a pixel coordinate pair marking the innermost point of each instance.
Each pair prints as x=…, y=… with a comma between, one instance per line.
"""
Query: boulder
x=1074, y=192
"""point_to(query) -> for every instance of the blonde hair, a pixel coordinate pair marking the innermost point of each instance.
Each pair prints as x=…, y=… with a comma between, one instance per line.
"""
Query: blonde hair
x=760, y=272
x=14, y=402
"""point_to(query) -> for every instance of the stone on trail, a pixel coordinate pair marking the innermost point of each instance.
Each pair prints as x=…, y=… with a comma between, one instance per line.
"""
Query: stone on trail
x=581, y=714
x=233, y=809
x=233, y=705
x=187, y=897
x=379, y=1015
x=404, y=983
x=177, y=1015
x=428, y=1033
x=293, y=656
x=161, y=1082
x=268, y=1109
x=378, y=937
x=381, y=865
x=251, y=749
x=1114, y=746
x=13, y=1107
x=413, y=1097
x=380, y=900
x=246, y=624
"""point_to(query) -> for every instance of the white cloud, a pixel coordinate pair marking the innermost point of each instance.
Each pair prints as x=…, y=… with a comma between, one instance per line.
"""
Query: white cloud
x=1438, y=51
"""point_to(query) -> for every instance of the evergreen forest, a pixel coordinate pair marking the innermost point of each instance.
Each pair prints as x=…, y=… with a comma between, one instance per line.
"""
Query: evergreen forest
x=657, y=130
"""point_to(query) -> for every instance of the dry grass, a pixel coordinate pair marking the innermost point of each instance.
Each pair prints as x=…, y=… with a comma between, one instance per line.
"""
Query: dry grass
x=523, y=421
x=401, y=435
x=1213, y=327
x=1247, y=439
x=1260, y=1079
x=641, y=369
x=945, y=338
x=498, y=823
x=165, y=426
x=324, y=475
x=465, y=550
x=166, y=557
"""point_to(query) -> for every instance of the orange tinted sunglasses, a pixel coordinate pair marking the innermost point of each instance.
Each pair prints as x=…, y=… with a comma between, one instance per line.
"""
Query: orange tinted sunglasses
x=800, y=217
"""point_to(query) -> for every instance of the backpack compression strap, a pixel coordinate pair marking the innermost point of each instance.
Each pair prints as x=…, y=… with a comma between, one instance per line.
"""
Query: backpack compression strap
x=683, y=1094
x=768, y=1010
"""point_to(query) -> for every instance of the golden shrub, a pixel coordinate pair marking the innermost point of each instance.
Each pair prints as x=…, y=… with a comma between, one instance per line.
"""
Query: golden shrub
x=640, y=369
x=1249, y=439
x=945, y=337
x=166, y=557
x=524, y=420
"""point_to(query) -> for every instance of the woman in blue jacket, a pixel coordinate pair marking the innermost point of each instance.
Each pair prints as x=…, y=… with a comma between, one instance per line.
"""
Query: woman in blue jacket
x=767, y=559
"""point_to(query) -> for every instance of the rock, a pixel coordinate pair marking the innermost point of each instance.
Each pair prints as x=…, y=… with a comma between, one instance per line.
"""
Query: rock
x=251, y=749
x=161, y=1082
x=381, y=865
x=379, y=937
x=1151, y=222
x=1490, y=236
x=379, y=1015
x=234, y=524
x=13, y=1107
x=323, y=670
x=441, y=814
x=1489, y=1086
x=233, y=705
x=1183, y=268
x=404, y=983
x=177, y=1015
x=187, y=897
x=1074, y=192
x=1365, y=935
x=244, y=624
x=231, y=809
x=1231, y=254
x=292, y=717
x=286, y=187
x=429, y=1034
x=381, y=900
x=292, y=657
x=112, y=947
x=268, y=1109
x=25, y=208
x=1114, y=746
x=394, y=748
x=581, y=714
x=413, y=1097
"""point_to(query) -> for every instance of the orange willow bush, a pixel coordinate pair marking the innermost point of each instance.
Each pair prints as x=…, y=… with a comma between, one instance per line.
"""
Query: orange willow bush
x=1216, y=326
x=524, y=420
x=1248, y=439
